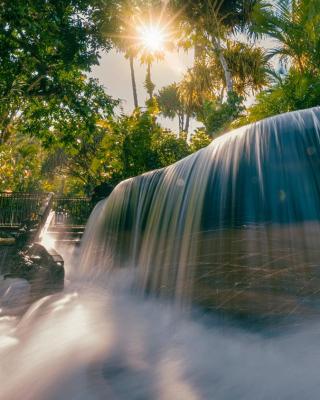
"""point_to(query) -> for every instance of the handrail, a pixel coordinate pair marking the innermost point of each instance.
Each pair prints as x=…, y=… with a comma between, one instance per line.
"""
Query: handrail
x=21, y=194
x=17, y=208
x=20, y=209
x=72, y=210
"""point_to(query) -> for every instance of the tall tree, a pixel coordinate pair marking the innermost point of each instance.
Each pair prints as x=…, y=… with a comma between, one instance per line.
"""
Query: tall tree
x=203, y=87
x=148, y=58
x=45, y=46
x=131, y=16
x=294, y=27
x=211, y=22
x=295, y=30
x=172, y=106
x=225, y=69
x=124, y=37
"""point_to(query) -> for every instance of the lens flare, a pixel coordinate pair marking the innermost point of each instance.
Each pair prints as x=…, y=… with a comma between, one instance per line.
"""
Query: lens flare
x=152, y=38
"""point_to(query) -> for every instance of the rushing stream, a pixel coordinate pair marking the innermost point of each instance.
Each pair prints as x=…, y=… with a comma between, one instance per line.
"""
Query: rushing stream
x=196, y=282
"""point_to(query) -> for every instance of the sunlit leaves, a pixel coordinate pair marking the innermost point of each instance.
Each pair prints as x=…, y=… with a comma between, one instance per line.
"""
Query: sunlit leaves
x=44, y=45
x=295, y=30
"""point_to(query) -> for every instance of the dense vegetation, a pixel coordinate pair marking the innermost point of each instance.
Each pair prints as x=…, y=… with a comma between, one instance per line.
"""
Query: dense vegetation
x=60, y=130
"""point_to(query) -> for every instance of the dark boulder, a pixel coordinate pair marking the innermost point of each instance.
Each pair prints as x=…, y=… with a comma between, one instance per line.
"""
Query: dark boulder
x=42, y=268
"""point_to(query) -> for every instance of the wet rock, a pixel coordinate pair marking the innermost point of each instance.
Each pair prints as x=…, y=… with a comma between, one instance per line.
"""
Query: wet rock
x=43, y=269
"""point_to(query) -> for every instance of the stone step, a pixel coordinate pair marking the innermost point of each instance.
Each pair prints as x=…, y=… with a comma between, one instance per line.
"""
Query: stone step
x=63, y=228
x=74, y=242
x=65, y=233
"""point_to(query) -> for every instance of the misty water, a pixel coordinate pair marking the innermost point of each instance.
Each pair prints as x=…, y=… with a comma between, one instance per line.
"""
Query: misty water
x=198, y=281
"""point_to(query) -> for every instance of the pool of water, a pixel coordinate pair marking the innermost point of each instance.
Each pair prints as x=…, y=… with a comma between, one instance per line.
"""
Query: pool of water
x=103, y=341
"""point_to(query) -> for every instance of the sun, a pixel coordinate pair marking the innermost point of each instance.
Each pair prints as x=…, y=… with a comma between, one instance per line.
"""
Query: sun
x=152, y=38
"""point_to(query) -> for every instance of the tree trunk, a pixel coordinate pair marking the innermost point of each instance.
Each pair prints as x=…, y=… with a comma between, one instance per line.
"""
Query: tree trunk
x=134, y=86
x=186, y=129
x=149, y=85
x=149, y=78
x=181, y=123
x=224, y=65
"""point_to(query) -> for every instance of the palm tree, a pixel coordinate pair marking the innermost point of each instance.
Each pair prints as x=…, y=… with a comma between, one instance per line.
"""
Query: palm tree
x=214, y=21
x=203, y=89
x=149, y=57
x=131, y=56
x=137, y=27
x=249, y=66
x=125, y=39
x=171, y=106
x=205, y=81
x=294, y=25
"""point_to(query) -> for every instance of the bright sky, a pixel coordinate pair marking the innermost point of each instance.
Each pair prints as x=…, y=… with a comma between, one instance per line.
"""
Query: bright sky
x=114, y=73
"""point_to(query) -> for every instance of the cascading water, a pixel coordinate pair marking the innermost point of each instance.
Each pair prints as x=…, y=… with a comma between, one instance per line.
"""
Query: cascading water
x=233, y=228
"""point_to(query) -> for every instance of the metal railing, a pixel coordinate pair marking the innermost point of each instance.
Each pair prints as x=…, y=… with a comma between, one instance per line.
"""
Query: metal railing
x=72, y=210
x=17, y=208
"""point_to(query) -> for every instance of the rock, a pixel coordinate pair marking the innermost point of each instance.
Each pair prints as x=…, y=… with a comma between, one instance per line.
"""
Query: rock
x=43, y=269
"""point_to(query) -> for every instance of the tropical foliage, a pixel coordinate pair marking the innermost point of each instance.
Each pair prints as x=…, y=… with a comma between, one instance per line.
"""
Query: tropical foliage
x=61, y=131
x=294, y=27
x=20, y=165
x=45, y=49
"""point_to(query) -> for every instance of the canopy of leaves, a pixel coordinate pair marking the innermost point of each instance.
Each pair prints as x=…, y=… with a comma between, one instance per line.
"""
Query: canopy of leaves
x=249, y=66
x=231, y=12
x=171, y=104
x=294, y=26
x=136, y=144
x=199, y=139
x=217, y=117
x=20, y=165
x=295, y=92
x=45, y=46
x=295, y=29
x=117, y=149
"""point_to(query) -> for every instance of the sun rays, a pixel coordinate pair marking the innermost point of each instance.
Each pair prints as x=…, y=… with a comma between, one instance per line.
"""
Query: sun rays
x=148, y=32
x=152, y=38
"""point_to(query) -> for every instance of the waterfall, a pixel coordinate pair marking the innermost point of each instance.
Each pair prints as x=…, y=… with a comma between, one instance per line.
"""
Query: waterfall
x=232, y=227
